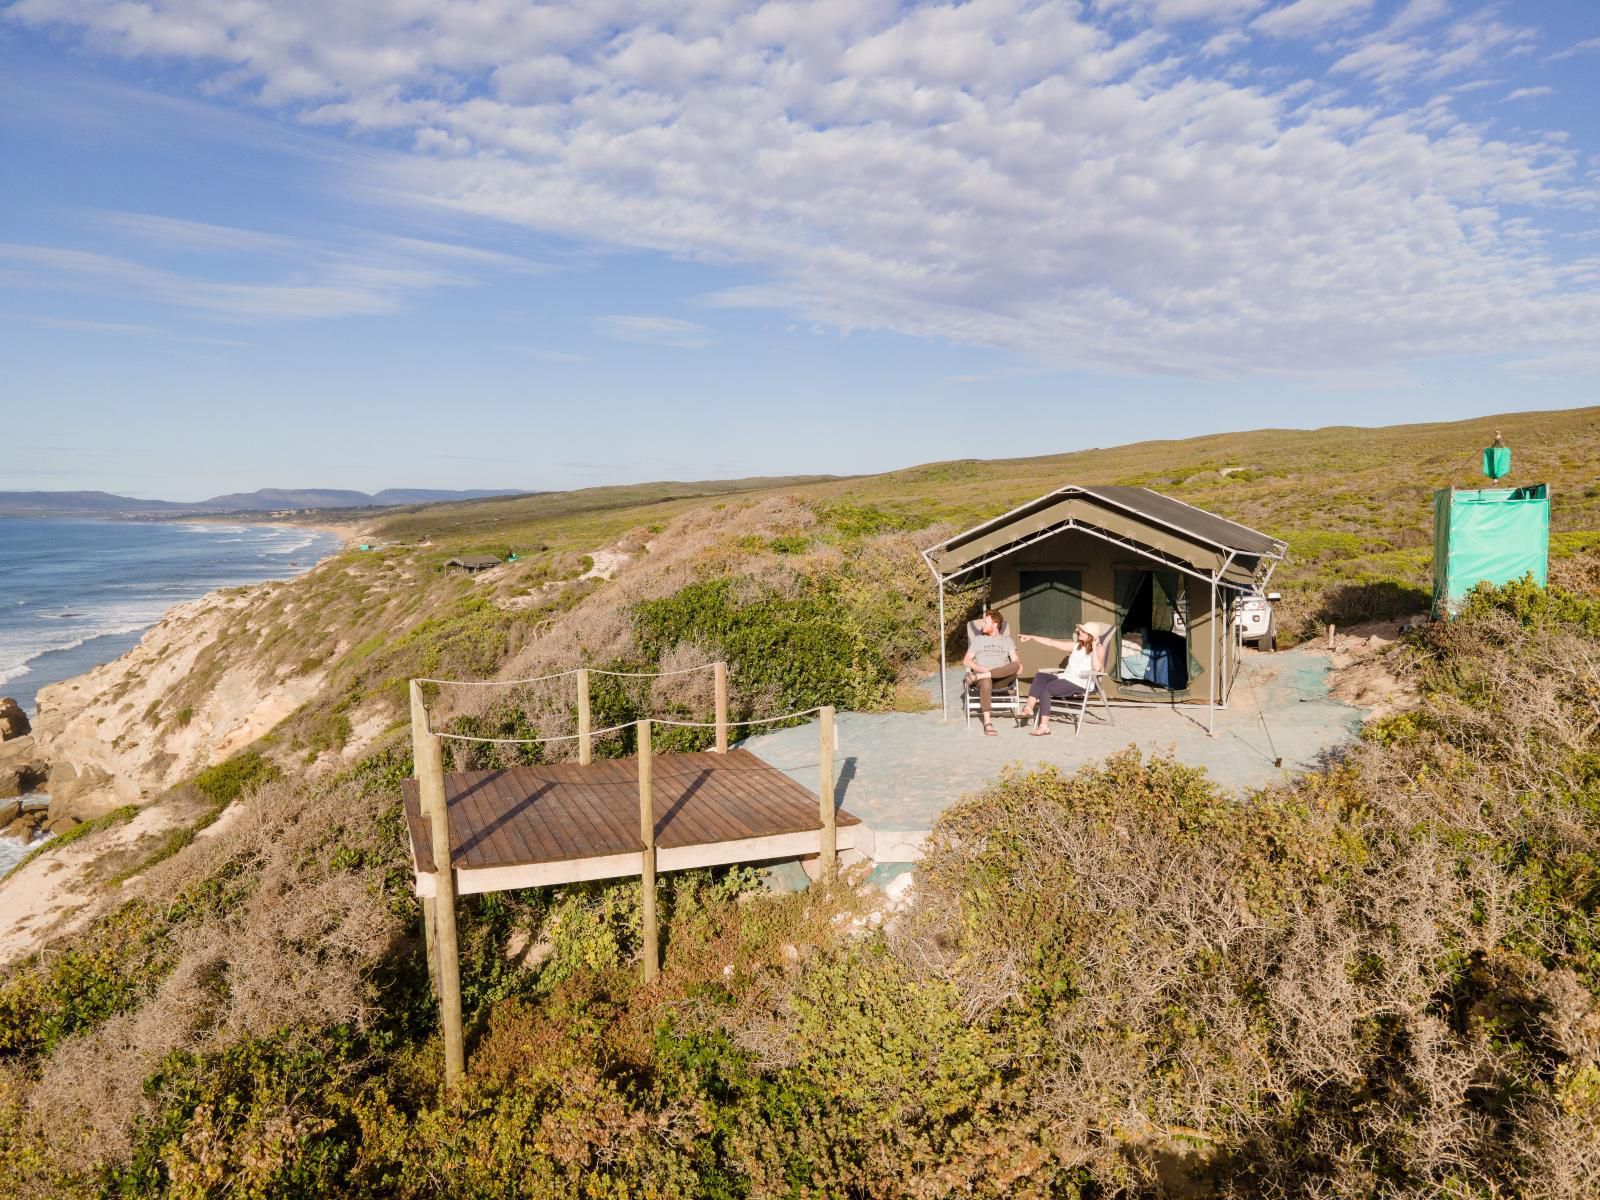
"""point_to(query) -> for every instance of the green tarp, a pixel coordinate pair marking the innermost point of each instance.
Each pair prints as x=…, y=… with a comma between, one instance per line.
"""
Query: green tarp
x=1490, y=535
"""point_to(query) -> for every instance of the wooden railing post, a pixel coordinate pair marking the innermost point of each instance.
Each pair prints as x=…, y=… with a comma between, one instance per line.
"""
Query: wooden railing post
x=647, y=864
x=719, y=674
x=427, y=756
x=585, y=742
x=830, y=832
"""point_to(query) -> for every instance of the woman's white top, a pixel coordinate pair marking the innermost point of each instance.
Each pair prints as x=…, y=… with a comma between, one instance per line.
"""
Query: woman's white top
x=1080, y=667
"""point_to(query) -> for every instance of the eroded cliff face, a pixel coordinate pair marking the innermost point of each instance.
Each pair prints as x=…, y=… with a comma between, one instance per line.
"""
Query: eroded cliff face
x=128, y=730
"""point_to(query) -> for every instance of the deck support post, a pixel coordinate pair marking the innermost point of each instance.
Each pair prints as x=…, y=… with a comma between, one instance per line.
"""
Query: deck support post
x=427, y=756
x=428, y=943
x=719, y=675
x=585, y=741
x=647, y=865
x=825, y=792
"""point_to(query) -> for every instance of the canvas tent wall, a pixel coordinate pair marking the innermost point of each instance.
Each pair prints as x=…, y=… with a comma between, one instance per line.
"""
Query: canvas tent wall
x=1127, y=556
x=1487, y=535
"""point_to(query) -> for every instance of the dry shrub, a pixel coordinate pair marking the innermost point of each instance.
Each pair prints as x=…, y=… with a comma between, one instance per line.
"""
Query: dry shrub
x=295, y=911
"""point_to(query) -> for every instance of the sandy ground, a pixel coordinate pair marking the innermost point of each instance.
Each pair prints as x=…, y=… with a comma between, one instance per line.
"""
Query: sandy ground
x=899, y=771
x=53, y=894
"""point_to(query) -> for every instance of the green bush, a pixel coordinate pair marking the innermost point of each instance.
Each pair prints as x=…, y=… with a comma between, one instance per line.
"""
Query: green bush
x=228, y=780
x=867, y=520
x=795, y=647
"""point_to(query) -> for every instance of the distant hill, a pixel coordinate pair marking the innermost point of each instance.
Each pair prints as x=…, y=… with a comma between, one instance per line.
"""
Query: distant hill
x=105, y=504
x=50, y=504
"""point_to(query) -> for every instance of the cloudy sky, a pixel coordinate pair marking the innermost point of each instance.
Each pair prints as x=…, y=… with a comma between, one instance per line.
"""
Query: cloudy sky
x=374, y=243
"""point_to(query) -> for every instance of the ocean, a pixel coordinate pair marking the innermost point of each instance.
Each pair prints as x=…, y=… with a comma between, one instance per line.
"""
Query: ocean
x=75, y=594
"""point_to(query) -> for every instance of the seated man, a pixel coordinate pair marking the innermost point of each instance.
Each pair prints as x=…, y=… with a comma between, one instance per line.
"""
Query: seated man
x=991, y=655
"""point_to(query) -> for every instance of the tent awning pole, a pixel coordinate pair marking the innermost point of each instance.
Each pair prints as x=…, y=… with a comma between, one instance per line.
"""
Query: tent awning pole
x=944, y=701
x=1211, y=683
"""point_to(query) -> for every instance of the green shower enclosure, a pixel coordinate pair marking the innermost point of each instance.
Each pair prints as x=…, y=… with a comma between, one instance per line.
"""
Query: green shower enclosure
x=1487, y=535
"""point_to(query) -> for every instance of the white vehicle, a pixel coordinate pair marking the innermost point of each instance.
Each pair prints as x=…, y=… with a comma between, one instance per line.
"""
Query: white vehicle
x=1254, y=617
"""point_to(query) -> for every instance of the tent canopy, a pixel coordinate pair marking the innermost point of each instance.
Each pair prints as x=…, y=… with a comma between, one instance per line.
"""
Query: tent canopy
x=1150, y=524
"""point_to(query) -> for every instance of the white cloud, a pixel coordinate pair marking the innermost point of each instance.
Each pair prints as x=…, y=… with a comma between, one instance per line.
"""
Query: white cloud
x=656, y=331
x=368, y=277
x=1307, y=18
x=1529, y=93
x=1586, y=46
x=1069, y=182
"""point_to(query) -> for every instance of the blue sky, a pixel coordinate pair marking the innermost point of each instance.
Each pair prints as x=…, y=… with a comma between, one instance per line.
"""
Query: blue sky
x=372, y=244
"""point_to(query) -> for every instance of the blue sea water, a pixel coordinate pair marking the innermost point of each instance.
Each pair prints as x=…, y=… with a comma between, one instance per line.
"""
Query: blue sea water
x=75, y=593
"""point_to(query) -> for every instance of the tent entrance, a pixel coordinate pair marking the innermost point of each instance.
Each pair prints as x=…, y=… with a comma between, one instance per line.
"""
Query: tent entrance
x=1152, y=644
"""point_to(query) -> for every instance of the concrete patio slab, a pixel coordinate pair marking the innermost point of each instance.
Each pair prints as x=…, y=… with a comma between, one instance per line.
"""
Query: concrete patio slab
x=899, y=771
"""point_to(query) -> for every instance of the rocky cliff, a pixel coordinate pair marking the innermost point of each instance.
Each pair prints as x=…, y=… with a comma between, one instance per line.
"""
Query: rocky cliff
x=128, y=730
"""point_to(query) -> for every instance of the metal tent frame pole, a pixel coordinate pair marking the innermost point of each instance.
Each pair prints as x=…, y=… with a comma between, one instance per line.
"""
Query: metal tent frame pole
x=944, y=700
x=1211, y=682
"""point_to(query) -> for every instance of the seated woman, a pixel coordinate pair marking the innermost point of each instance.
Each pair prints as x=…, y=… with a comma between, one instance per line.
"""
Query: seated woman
x=1074, y=680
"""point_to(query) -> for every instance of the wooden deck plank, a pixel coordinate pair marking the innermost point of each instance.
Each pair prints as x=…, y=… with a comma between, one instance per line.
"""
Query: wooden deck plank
x=708, y=816
x=563, y=812
x=601, y=803
x=477, y=836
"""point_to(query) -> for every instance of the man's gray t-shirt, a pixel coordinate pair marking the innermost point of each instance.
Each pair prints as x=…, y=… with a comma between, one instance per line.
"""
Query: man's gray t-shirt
x=991, y=650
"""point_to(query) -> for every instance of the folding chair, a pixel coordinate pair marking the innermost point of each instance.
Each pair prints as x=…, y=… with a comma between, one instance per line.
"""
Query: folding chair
x=1004, y=697
x=1078, y=707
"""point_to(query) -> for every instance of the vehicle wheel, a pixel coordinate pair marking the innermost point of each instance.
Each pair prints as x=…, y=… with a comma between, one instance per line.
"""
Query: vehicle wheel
x=1272, y=638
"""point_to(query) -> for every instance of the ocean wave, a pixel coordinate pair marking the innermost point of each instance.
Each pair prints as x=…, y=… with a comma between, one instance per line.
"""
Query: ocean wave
x=300, y=545
x=20, y=648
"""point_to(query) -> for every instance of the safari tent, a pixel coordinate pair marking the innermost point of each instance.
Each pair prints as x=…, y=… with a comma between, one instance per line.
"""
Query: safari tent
x=1164, y=574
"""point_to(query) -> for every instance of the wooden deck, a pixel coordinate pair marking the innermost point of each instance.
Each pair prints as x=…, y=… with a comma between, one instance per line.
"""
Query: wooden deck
x=565, y=823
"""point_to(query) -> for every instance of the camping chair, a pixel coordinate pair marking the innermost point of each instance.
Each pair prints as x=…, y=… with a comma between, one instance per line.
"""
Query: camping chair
x=1003, y=697
x=1077, y=708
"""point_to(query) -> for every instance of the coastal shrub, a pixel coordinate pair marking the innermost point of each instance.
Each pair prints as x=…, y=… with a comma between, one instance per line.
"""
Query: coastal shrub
x=867, y=520
x=106, y=969
x=232, y=778
x=793, y=647
x=262, y=1118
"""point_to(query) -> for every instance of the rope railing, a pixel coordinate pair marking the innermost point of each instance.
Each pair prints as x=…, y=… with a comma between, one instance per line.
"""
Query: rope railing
x=569, y=737
x=585, y=735
x=805, y=712
x=710, y=666
x=565, y=737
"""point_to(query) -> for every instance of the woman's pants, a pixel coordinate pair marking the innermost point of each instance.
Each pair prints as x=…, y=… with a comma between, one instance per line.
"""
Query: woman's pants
x=1047, y=687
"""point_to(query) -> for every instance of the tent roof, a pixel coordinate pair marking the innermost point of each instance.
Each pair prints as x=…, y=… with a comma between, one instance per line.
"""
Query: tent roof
x=1141, y=520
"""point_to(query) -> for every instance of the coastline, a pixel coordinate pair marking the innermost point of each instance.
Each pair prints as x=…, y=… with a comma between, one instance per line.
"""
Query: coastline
x=88, y=667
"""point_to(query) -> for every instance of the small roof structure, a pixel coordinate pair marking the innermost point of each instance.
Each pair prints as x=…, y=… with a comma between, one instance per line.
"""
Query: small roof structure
x=1216, y=559
x=474, y=562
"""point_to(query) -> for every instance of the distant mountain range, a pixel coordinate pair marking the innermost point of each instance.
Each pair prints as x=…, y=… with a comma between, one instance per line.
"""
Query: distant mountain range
x=104, y=504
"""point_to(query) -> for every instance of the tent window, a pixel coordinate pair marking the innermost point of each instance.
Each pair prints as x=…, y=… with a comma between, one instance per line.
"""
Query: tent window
x=1051, y=602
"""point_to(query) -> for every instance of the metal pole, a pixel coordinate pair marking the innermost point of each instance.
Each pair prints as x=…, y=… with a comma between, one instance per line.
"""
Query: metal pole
x=428, y=760
x=647, y=861
x=826, y=793
x=1211, y=653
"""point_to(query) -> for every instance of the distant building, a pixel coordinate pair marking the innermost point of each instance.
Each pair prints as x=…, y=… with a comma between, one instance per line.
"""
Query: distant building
x=471, y=563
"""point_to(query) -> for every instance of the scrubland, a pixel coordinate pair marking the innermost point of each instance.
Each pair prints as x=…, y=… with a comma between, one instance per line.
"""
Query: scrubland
x=1382, y=979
